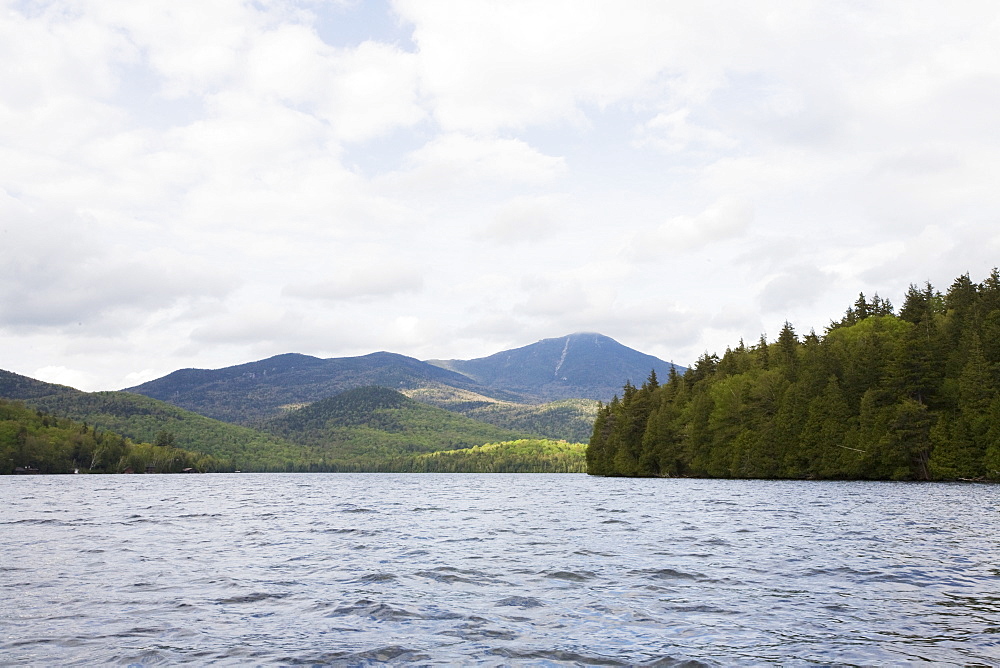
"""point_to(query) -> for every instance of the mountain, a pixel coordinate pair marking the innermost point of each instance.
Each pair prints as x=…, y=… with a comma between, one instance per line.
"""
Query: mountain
x=256, y=391
x=350, y=413
x=583, y=365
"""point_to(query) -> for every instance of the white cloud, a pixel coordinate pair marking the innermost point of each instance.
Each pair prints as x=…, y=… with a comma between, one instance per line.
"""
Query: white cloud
x=673, y=132
x=361, y=92
x=252, y=323
x=53, y=272
x=193, y=48
x=726, y=219
x=525, y=220
x=799, y=285
x=487, y=66
x=372, y=281
x=60, y=375
x=463, y=161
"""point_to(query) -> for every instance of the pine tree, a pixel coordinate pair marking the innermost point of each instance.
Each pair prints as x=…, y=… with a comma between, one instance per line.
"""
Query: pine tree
x=861, y=309
x=787, y=346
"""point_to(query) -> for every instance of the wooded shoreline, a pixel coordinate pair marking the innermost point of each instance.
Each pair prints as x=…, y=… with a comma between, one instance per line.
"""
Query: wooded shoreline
x=879, y=396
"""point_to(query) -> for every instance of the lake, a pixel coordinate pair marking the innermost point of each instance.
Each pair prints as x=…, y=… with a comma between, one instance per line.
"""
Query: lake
x=359, y=569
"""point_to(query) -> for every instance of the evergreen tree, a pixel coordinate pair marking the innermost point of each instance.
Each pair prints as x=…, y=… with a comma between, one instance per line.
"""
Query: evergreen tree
x=991, y=459
x=599, y=457
x=829, y=436
x=906, y=449
x=663, y=441
x=915, y=370
x=762, y=354
x=703, y=368
x=787, y=347
x=861, y=309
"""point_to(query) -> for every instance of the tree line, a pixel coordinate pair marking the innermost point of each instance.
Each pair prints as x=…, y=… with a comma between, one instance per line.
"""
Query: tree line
x=913, y=395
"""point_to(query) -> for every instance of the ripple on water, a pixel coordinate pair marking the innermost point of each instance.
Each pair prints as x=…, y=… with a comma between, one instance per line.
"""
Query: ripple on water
x=668, y=574
x=375, y=578
x=374, y=610
x=255, y=597
x=570, y=576
x=393, y=654
x=450, y=575
x=520, y=602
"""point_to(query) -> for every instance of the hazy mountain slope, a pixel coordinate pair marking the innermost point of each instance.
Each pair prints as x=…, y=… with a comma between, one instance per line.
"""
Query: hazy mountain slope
x=584, y=365
x=256, y=391
x=376, y=422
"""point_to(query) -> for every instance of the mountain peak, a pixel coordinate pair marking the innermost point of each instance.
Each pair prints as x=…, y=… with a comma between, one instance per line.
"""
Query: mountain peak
x=582, y=364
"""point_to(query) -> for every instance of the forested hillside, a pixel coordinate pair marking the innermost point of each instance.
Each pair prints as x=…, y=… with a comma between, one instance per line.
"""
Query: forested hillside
x=911, y=395
x=520, y=456
x=368, y=425
x=143, y=419
x=36, y=441
x=568, y=419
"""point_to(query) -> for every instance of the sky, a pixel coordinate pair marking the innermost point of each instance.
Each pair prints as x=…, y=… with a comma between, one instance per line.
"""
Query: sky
x=203, y=183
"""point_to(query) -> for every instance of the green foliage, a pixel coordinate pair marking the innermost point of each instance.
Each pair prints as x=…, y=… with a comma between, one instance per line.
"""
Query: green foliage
x=520, y=456
x=34, y=440
x=879, y=396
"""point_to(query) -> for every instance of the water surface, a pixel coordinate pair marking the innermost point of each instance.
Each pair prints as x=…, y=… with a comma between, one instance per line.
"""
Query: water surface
x=356, y=569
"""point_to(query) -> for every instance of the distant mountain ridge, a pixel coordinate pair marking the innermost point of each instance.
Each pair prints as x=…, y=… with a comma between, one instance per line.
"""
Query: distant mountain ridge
x=578, y=366
x=251, y=392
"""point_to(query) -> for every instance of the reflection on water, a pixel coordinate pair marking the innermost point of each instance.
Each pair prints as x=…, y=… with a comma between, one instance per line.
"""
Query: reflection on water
x=495, y=569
